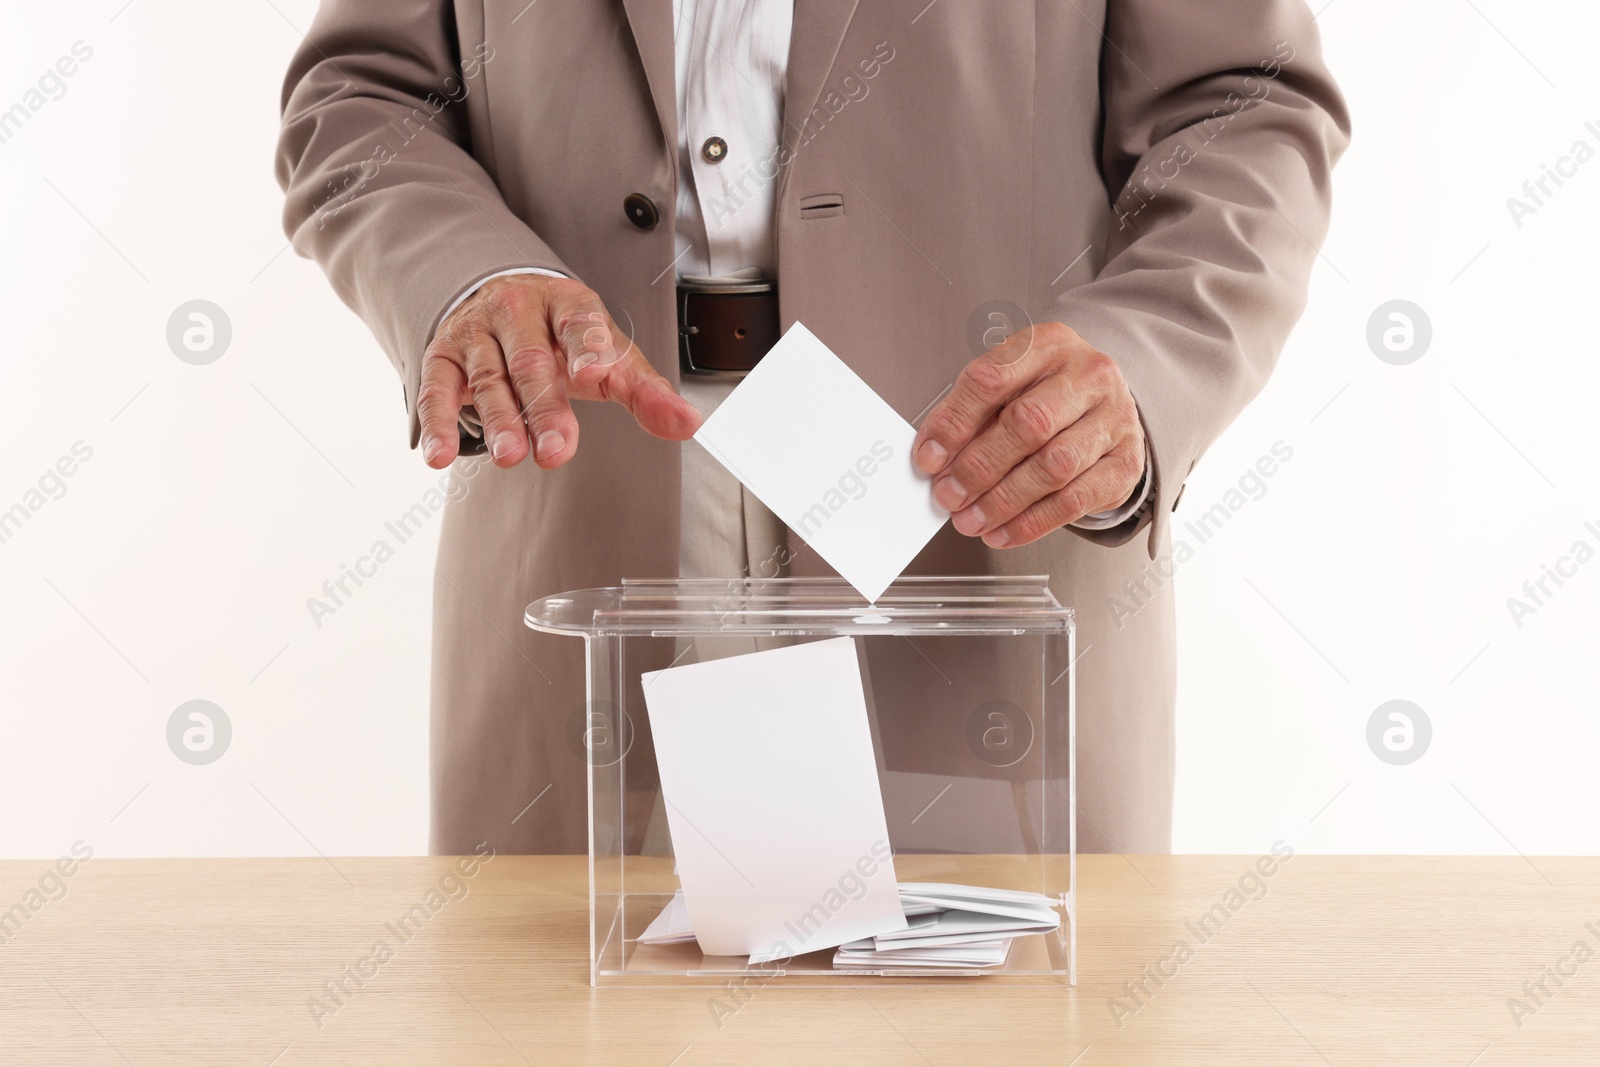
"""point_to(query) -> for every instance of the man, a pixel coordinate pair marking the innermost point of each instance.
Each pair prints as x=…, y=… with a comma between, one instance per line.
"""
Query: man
x=1074, y=233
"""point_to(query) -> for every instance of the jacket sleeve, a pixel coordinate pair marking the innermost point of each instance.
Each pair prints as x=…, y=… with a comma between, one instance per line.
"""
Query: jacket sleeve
x=382, y=188
x=1221, y=128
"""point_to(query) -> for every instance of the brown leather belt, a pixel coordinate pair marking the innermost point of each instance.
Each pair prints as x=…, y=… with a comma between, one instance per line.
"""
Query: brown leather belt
x=725, y=329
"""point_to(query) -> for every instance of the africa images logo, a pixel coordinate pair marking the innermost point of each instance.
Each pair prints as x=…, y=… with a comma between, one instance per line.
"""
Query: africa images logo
x=852, y=485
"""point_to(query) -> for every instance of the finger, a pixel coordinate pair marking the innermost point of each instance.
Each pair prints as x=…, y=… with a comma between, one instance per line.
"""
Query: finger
x=581, y=327
x=632, y=382
x=439, y=403
x=1053, y=466
x=1022, y=427
x=493, y=397
x=980, y=391
x=537, y=377
x=1100, y=488
x=604, y=364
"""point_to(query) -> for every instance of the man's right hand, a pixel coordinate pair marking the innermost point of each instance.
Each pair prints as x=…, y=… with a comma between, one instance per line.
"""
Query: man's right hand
x=520, y=349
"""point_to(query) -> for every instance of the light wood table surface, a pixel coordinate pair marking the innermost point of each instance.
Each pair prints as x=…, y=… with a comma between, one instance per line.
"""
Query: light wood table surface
x=1344, y=960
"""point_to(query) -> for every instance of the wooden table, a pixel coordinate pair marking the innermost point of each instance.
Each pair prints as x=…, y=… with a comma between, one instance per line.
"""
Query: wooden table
x=1344, y=960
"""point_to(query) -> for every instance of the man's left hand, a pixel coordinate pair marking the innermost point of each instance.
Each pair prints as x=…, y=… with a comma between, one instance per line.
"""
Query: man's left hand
x=1036, y=433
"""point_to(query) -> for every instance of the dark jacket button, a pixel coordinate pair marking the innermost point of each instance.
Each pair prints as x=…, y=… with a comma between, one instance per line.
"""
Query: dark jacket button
x=641, y=211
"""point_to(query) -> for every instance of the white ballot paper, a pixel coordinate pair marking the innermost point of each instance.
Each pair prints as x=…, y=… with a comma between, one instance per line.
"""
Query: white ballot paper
x=671, y=927
x=772, y=799
x=983, y=954
x=830, y=458
x=976, y=933
x=950, y=927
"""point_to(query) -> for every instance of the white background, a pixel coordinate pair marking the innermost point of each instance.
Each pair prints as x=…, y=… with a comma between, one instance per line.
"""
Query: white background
x=1376, y=566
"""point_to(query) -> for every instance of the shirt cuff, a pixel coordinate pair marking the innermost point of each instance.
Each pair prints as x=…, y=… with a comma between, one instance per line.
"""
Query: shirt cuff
x=1106, y=520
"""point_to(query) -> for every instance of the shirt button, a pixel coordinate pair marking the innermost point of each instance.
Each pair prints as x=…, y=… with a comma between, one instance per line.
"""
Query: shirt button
x=714, y=150
x=641, y=211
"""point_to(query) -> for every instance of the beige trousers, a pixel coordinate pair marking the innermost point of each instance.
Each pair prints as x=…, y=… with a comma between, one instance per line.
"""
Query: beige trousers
x=726, y=531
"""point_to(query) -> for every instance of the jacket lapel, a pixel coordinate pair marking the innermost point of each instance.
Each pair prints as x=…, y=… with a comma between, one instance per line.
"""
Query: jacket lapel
x=651, y=22
x=819, y=28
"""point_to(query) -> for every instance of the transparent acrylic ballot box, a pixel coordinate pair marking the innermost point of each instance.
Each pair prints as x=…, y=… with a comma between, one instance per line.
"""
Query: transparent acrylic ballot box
x=969, y=694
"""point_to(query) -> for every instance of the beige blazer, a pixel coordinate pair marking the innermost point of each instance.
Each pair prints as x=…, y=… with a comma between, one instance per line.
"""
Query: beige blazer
x=1154, y=173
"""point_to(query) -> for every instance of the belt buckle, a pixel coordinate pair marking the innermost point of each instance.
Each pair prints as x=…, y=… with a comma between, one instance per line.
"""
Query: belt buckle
x=686, y=363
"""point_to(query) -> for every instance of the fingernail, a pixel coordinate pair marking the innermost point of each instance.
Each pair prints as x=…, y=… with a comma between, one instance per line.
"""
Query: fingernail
x=583, y=360
x=500, y=444
x=997, y=538
x=951, y=493
x=550, y=443
x=968, y=522
x=931, y=456
x=431, y=447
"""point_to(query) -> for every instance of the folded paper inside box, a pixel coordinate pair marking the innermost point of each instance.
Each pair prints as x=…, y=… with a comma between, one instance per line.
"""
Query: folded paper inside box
x=947, y=926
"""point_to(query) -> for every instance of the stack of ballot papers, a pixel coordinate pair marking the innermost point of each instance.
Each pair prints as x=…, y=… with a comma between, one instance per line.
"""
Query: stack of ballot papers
x=952, y=926
x=947, y=927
